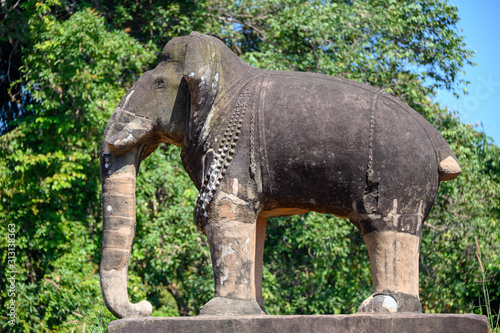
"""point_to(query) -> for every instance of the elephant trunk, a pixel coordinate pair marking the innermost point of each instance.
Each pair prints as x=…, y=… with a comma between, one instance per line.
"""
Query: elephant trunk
x=118, y=177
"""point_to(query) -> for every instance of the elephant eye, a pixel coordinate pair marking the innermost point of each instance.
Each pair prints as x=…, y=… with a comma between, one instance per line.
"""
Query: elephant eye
x=160, y=84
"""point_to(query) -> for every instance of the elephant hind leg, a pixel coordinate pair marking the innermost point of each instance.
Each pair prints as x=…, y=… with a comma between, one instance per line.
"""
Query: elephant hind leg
x=393, y=244
x=394, y=263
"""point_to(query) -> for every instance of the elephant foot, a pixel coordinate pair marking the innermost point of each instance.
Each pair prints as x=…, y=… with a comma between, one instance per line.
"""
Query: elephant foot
x=221, y=306
x=390, y=302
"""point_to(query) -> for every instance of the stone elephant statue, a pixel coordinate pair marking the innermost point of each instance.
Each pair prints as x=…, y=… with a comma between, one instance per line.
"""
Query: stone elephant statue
x=259, y=144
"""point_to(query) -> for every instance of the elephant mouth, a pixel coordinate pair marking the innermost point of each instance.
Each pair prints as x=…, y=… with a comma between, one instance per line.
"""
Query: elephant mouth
x=128, y=131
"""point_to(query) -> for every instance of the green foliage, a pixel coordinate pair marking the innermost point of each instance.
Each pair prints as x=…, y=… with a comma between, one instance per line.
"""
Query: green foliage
x=76, y=72
x=154, y=21
x=391, y=44
x=314, y=264
x=466, y=208
x=69, y=63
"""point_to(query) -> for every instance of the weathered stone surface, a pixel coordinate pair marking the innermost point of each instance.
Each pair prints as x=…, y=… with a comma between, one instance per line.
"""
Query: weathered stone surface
x=221, y=306
x=359, y=323
x=259, y=144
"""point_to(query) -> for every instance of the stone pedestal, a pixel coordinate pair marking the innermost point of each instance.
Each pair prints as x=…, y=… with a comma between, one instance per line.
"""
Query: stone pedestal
x=367, y=323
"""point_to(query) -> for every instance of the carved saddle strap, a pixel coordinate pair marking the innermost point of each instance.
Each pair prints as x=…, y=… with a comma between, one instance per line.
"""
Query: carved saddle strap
x=225, y=150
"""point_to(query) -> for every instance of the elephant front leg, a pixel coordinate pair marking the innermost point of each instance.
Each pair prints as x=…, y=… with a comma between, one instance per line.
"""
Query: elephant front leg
x=236, y=238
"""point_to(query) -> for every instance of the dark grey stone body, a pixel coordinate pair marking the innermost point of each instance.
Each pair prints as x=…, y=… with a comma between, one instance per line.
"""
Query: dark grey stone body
x=262, y=143
x=313, y=140
x=340, y=131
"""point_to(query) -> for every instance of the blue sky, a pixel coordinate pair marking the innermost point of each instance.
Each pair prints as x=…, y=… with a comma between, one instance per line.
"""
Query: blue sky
x=481, y=26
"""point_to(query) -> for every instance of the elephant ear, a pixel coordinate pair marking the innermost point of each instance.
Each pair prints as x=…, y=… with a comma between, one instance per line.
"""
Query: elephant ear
x=201, y=71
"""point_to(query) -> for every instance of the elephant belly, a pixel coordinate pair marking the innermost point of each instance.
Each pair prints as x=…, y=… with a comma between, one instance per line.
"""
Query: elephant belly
x=322, y=136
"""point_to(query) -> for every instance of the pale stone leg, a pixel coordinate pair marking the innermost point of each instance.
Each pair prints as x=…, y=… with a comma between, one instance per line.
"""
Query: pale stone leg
x=394, y=263
x=236, y=249
x=259, y=257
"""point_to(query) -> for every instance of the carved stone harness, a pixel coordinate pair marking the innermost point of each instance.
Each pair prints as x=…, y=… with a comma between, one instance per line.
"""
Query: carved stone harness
x=222, y=159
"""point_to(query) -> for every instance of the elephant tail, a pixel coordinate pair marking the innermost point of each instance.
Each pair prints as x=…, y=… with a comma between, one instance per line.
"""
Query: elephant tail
x=448, y=168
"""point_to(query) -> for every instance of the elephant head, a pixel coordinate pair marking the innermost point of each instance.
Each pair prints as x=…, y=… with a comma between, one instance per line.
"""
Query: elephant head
x=167, y=104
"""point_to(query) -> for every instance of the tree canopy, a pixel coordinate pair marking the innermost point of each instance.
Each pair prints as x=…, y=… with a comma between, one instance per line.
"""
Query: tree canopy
x=66, y=64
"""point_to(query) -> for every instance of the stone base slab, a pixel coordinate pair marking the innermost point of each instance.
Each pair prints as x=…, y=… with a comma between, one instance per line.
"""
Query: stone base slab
x=359, y=323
